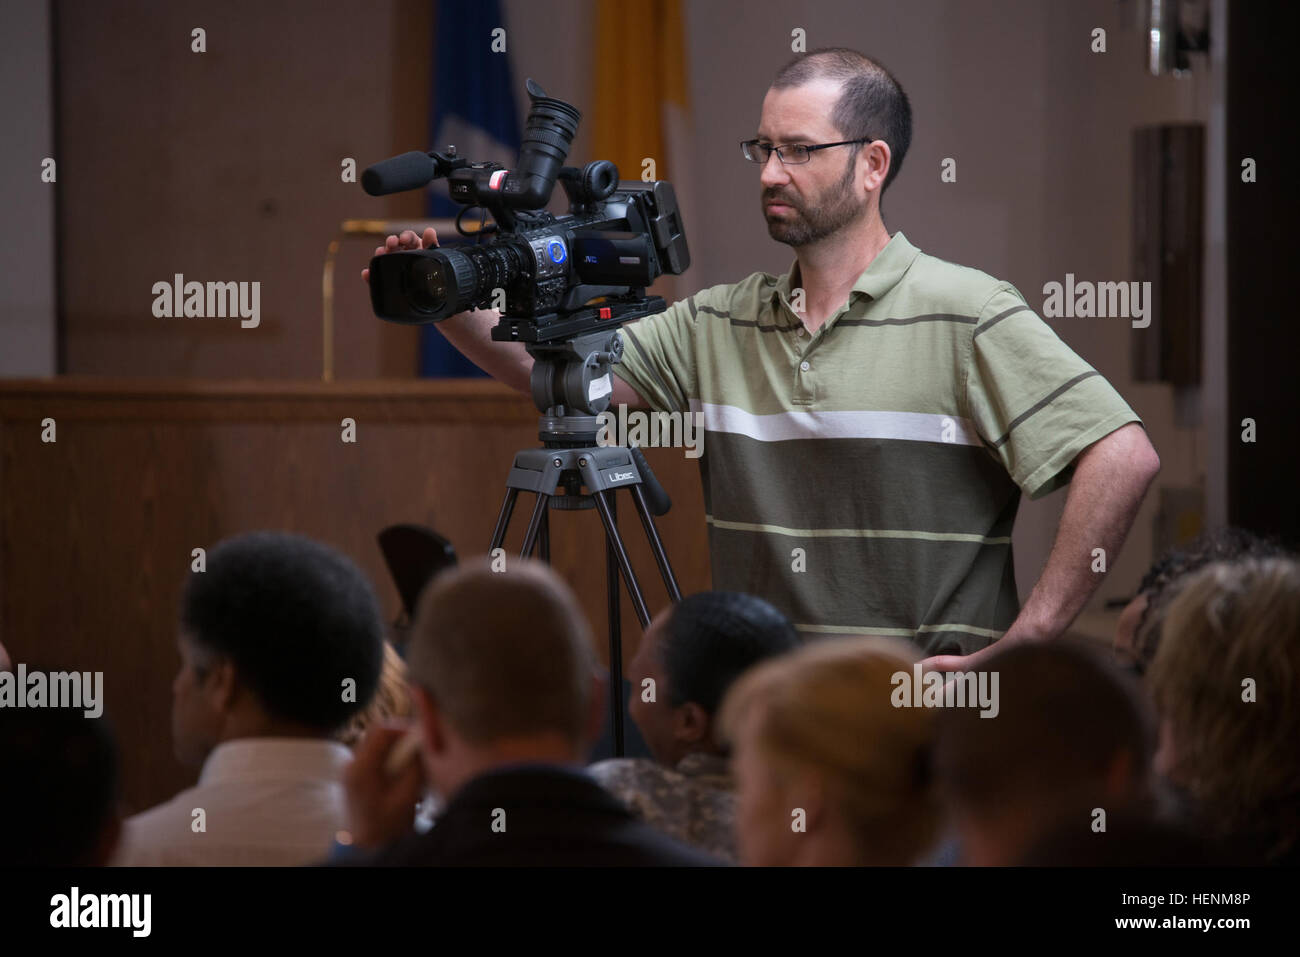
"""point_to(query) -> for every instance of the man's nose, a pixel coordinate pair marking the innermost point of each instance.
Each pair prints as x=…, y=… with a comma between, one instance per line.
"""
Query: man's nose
x=774, y=173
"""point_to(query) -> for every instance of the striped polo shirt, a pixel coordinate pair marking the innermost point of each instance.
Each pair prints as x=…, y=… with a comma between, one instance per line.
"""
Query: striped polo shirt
x=865, y=478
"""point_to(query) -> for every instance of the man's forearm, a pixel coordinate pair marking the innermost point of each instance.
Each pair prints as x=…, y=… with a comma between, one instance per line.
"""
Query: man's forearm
x=471, y=334
x=1111, y=477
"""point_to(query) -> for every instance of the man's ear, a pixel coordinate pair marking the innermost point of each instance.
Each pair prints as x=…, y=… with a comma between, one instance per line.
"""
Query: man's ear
x=430, y=719
x=692, y=724
x=879, y=160
x=221, y=685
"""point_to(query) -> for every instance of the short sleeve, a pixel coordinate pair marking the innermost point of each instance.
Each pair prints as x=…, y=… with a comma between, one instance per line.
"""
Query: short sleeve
x=1036, y=404
x=659, y=357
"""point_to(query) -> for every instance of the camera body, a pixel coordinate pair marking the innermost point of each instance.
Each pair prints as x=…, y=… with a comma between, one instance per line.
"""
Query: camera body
x=538, y=270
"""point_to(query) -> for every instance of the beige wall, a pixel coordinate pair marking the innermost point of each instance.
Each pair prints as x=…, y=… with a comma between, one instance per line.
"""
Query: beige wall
x=225, y=166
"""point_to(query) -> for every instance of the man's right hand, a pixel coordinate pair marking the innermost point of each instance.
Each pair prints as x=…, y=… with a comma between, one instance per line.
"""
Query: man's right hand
x=407, y=240
x=380, y=804
x=471, y=333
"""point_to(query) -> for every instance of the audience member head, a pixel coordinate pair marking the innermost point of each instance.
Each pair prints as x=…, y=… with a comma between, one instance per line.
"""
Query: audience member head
x=503, y=672
x=279, y=637
x=693, y=651
x=1137, y=633
x=59, y=797
x=827, y=770
x=1226, y=681
x=392, y=700
x=1072, y=733
x=1133, y=837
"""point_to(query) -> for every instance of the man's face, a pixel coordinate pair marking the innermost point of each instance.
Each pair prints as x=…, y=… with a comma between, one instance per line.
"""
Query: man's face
x=808, y=202
x=764, y=836
x=196, y=722
x=654, y=719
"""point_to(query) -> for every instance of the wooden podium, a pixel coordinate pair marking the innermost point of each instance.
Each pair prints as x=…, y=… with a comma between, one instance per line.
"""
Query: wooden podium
x=97, y=527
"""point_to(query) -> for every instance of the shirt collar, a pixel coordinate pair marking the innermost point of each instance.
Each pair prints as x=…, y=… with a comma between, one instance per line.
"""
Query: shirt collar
x=698, y=764
x=880, y=276
x=298, y=758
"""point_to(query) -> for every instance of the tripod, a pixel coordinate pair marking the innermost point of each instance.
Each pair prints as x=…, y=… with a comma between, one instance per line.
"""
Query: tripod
x=573, y=372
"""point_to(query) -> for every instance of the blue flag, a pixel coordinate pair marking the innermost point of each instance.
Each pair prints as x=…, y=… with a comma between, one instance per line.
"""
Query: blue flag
x=474, y=110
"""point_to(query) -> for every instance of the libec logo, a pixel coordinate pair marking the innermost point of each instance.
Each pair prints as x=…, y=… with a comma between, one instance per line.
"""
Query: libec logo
x=75, y=909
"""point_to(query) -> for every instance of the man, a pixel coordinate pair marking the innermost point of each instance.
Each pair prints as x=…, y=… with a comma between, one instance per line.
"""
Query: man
x=507, y=701
x=281, y=642
x=875, y=414
x=1072, y=734
x=686, y=661
x=59, y=799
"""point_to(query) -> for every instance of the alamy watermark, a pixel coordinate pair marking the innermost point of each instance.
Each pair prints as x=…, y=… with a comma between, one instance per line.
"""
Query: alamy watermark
x=1103, y=300
x=965, y=689
x=212, y=300
x=652, y=430
x=56, y=689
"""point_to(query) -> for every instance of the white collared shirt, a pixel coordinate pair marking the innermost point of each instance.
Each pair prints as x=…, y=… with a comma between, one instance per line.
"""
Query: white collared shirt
x=265, y=801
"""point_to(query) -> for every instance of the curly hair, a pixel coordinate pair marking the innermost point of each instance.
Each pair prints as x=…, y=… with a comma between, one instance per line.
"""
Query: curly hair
x=1163, y=580
x=1226, y=680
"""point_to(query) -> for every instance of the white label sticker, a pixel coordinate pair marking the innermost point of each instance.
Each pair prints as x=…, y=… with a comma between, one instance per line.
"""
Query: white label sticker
x=599, y=388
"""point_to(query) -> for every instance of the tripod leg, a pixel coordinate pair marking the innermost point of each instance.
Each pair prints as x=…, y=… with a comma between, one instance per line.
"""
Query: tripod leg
x=604, y=505
x=656, y=544
x=534, y=525
x=615, y=646
x=503, y=519
x=544, y=538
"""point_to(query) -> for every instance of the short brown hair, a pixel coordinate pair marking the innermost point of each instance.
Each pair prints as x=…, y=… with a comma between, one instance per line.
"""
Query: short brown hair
x=828, y=706
x=504, y=654
x=1230, y=622
x=871, y=103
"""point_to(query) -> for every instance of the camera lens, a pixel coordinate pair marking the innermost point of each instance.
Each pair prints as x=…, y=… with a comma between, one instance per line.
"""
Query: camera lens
x=428, y=288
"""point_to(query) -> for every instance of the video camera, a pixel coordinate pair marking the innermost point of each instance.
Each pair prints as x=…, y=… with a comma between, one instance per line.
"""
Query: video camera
x=539, y=270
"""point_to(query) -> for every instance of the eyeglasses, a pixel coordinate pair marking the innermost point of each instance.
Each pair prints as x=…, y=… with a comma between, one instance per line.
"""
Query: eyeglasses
x=760, y=153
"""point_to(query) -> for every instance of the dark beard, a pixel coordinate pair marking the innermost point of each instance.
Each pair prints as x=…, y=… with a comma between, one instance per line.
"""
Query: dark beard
x=809, y=226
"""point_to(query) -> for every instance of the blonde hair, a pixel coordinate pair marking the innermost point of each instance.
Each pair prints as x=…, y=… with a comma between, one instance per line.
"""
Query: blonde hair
x=827, y=707
x=1232, y=622
x=392, y=699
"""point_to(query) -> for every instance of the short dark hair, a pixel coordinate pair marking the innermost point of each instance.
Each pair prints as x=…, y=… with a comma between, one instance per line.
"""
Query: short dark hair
x=1065, y=712
x=296, y=618
x=1161, y=582
x=60, y=770
x=714, y=636
x=871, y=104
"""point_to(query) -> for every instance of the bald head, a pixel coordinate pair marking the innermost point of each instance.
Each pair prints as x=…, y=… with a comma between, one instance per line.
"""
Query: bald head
x=504, y=654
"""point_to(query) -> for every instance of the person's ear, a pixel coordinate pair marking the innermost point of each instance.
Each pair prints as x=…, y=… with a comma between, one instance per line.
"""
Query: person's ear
x=879, y=159
x=430, y=720
x=221, y=685
x=691, y=724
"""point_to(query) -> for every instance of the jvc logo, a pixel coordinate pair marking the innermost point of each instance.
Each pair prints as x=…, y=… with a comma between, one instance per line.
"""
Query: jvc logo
x=589, y=259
